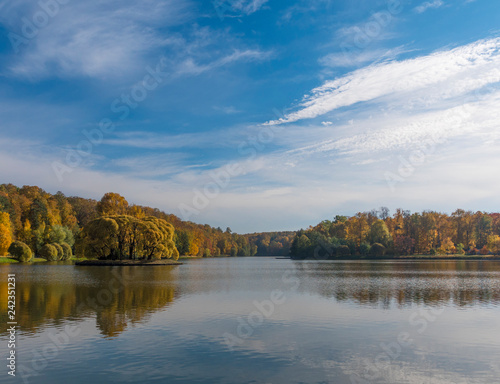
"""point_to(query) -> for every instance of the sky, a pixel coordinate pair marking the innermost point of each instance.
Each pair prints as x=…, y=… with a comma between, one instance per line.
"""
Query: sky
x=260, y=115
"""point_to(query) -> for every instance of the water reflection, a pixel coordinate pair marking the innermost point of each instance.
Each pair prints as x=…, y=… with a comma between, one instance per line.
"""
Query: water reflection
x=460, y=283
x=168, y=324
x=115, y=296
x=118, y=297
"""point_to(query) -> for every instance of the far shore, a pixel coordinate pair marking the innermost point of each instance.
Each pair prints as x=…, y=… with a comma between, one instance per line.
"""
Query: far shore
x=86, y=262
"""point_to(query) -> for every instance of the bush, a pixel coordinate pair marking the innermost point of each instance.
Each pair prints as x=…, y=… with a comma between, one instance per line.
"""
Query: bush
x=60, y=251
x=20, y=251
x=364, y=249
x=343, y=251
x=67, y=252
x=378, y=250
x=49, y=252
x=433, y=252
x=484, y=250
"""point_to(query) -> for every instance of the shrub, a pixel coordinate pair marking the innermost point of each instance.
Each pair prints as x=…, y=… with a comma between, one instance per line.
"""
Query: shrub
x=343, y=250
x=378, y=250
x=20, y=251
x=364, y=249
x=484, y=250
x=49, y=252
x=60, y=251
x=433, y=252
x=67, y=252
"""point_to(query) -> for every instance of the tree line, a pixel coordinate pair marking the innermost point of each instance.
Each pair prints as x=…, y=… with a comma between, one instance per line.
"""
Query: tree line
x=377, y=234
x=34, y=222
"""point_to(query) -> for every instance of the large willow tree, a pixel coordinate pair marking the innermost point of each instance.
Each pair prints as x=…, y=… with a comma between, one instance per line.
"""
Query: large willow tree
x=123, y=237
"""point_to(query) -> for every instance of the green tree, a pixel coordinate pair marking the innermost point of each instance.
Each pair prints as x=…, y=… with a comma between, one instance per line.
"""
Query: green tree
x=127, y=237
x=364, y=249
x=49, y=252
x=343, y=251
x=379, y=233
x=98, y=239
x=182, y=241
x=378, y=250
x=60, y=251
x=20, y=251
x=59, y=234
x=67, y=251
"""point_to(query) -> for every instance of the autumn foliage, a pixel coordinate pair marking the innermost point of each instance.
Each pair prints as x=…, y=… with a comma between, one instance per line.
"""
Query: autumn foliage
x=403, y=233
x=111, y=227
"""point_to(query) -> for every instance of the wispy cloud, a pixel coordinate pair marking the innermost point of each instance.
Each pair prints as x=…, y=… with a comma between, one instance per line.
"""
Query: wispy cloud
x=248, y=6
x=446, y=74
x=360, y=57
x=116, y=39
x=151, y=140
x=190, y=67
x=95, y=39
x=228, y=110
x=398, y=133
x=429, y=5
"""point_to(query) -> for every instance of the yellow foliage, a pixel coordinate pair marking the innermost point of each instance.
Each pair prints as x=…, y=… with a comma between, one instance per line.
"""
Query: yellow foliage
x=5, y=233
x=494, y=244
x=193, y=249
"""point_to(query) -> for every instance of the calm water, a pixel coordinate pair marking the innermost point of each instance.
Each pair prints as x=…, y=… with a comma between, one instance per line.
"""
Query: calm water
x=257, y=320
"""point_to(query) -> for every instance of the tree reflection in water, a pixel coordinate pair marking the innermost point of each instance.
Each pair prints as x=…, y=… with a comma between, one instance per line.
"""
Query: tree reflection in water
x=115, y=296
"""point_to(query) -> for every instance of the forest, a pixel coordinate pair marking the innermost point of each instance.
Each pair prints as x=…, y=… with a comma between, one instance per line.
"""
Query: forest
x=378, y=234
x=34, y=222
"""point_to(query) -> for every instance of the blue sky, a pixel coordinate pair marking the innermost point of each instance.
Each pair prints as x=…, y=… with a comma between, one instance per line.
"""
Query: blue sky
x=255, y=114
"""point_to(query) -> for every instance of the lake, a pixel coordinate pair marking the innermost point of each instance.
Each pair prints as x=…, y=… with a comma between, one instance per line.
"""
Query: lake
x=256, y=320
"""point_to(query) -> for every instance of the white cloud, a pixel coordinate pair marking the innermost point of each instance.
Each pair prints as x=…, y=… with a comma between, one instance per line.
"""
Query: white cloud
x=237, y=8
x=96, y=39
x=249, y=6
x=429, y=5
x=189, y=67
x=353, y=57
x=445, y=74
x=114, y=39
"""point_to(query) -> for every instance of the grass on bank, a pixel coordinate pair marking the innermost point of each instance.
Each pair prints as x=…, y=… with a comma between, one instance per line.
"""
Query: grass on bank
x=452, y=256
x=10, y=260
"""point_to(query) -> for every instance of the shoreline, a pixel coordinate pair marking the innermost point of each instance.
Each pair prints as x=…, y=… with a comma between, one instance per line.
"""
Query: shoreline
x=411, y=257
x=128, y=263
